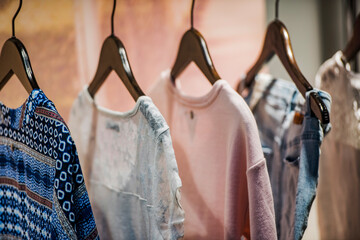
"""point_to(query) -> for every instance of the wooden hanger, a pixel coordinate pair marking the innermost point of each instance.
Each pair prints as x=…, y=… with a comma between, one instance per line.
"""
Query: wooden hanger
x=193, y=47
x=353, y=46
x=277, y=41
x=15, y=60
x=113, y=57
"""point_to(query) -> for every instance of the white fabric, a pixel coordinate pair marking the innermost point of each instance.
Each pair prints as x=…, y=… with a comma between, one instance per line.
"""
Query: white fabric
x=129, y=168
x=339, y=183
x=344, y=86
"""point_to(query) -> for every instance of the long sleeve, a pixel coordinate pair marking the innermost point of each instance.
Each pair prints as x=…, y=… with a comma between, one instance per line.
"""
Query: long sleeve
x=71, y=201
x=261, y=206
x=170, y=215
x=250, y=203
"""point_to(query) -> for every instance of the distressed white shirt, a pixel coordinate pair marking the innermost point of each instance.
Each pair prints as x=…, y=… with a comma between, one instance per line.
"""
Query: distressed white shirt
x=130, y=169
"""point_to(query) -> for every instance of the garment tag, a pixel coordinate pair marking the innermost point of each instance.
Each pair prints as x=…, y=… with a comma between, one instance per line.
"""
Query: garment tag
x=298, y=118
x=113, y=126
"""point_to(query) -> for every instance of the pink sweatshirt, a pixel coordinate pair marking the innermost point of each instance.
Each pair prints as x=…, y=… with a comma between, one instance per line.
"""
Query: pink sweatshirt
x=226, y=190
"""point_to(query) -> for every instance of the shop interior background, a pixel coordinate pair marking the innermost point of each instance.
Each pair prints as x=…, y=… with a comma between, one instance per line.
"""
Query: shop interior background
x=64, y=37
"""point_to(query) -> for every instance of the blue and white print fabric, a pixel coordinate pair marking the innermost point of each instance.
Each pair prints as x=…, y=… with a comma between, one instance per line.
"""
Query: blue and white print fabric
x=42, y=190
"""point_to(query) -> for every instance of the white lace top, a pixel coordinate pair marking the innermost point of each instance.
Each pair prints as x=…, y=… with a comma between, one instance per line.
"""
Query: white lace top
x=129, y=168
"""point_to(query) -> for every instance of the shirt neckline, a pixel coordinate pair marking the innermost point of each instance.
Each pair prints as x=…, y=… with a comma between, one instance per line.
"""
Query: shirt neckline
x=111, y=113
x=191, y=101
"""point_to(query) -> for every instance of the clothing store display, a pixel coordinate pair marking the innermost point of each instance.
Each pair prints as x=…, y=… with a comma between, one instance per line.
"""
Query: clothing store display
x=130, y=169
x=290, y=138
x=339, y=183
x=194, y=157
x=226, y=189
x=42, y=190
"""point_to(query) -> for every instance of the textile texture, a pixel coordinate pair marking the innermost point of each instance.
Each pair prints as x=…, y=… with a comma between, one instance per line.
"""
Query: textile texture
x=290, y=138
x=42, y=190
x=226, y=189
x=130, y=169
x=339, y=183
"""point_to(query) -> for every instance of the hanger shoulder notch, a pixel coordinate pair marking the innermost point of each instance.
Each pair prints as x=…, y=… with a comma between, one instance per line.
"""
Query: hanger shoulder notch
x=277, y=41
x=123, y=69
x=319, y=108
x=113, y=57
x=193, y=47
x=353, y=46
x=283, y=49
x=15, y=60
x=267, y=52
x=104, y=66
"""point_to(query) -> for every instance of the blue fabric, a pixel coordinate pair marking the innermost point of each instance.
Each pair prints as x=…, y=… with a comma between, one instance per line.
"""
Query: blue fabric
x=42, y=190
x=311, y=138
x=291, y=148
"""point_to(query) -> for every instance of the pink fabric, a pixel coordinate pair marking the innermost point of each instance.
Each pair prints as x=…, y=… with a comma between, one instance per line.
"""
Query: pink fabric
x=226, y=188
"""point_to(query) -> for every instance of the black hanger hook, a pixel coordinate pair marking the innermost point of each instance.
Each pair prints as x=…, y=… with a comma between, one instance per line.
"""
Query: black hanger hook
x=112, y=18
x=277, y=9
x=13, y=20
x=192, y=14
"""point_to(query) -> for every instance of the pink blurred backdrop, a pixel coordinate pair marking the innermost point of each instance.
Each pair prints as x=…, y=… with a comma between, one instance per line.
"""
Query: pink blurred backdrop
x=64, y=37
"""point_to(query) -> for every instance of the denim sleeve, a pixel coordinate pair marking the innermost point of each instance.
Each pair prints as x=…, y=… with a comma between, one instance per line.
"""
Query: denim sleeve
x=311, y=137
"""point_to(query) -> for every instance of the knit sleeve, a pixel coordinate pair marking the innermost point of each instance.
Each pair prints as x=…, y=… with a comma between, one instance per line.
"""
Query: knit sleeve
x=261, y=204
x=250, y=207
x=72, y=217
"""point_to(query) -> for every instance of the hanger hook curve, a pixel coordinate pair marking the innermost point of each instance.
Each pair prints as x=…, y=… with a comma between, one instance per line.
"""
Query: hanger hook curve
x=192, y=14
x=15, y=15
x=112, y=18
x=277, y=9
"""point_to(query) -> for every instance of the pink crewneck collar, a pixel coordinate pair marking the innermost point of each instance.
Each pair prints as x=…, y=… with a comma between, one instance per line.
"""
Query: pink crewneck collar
x=191, y=101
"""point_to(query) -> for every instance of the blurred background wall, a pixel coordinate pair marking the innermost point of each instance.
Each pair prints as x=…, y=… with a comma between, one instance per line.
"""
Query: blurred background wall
x=47, y=29
x=151, y=32
x=317, y=28
x=64, y=37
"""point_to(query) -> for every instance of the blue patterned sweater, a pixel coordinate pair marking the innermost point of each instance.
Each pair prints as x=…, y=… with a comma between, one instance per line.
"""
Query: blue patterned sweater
x=42, y=190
